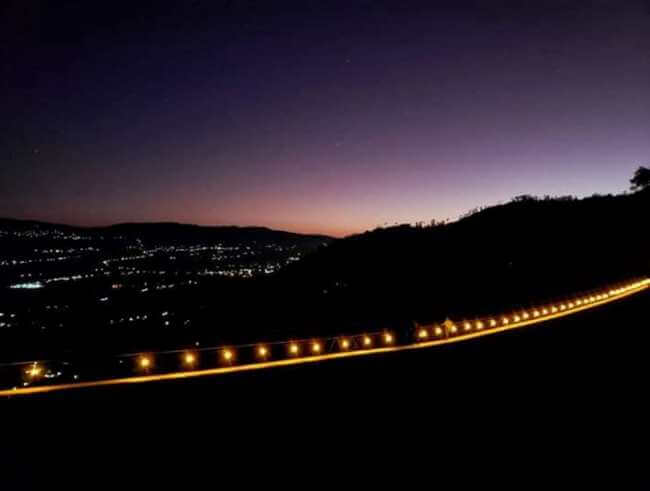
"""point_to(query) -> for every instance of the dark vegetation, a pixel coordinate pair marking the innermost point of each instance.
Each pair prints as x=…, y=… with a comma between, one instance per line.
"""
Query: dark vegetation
x=641, y=179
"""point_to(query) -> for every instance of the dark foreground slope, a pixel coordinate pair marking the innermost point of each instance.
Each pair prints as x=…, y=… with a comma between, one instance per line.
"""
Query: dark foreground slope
x=548, y=396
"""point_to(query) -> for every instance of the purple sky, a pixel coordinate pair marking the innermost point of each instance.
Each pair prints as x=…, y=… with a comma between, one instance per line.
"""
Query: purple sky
x=315, y=118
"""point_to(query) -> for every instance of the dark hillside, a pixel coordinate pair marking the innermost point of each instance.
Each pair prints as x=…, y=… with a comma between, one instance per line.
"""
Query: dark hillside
x=502, y=256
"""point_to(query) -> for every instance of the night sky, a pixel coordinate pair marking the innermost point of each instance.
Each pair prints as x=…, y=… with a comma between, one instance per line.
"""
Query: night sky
x=318, y=116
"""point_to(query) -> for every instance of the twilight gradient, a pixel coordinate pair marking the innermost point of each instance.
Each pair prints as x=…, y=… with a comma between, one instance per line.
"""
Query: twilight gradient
x=318, y=117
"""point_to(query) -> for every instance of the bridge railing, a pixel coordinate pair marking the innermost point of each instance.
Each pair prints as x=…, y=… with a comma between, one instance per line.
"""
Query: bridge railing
x=43, y=372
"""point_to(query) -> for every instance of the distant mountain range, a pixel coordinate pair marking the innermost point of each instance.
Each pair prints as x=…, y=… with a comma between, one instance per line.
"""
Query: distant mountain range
x=164, y=231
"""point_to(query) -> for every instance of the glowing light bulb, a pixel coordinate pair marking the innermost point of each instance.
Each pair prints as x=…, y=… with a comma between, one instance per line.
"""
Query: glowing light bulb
x=525, y=315
x=189, y=359
x=367, y=341
x=479, y=325
x=345, y=344
x=467, y=326
x=453, y=329
x=227, y=355
x=145, y=362
x=562, y=307
x=544, y=311
x=316, y=347
x=423, y=334
x=516, y=318
x=493, y=323
x=536, y=313
x=505, y=321
x=34, y=371
x=293, y=349
x=262, y=351
x=438, y=331
x=388, y=337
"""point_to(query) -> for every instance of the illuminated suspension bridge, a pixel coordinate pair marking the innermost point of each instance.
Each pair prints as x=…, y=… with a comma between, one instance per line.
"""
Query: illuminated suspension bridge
x=180, y=364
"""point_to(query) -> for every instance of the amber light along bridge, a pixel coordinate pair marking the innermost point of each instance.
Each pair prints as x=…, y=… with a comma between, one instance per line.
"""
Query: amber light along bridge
x=285, y=353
